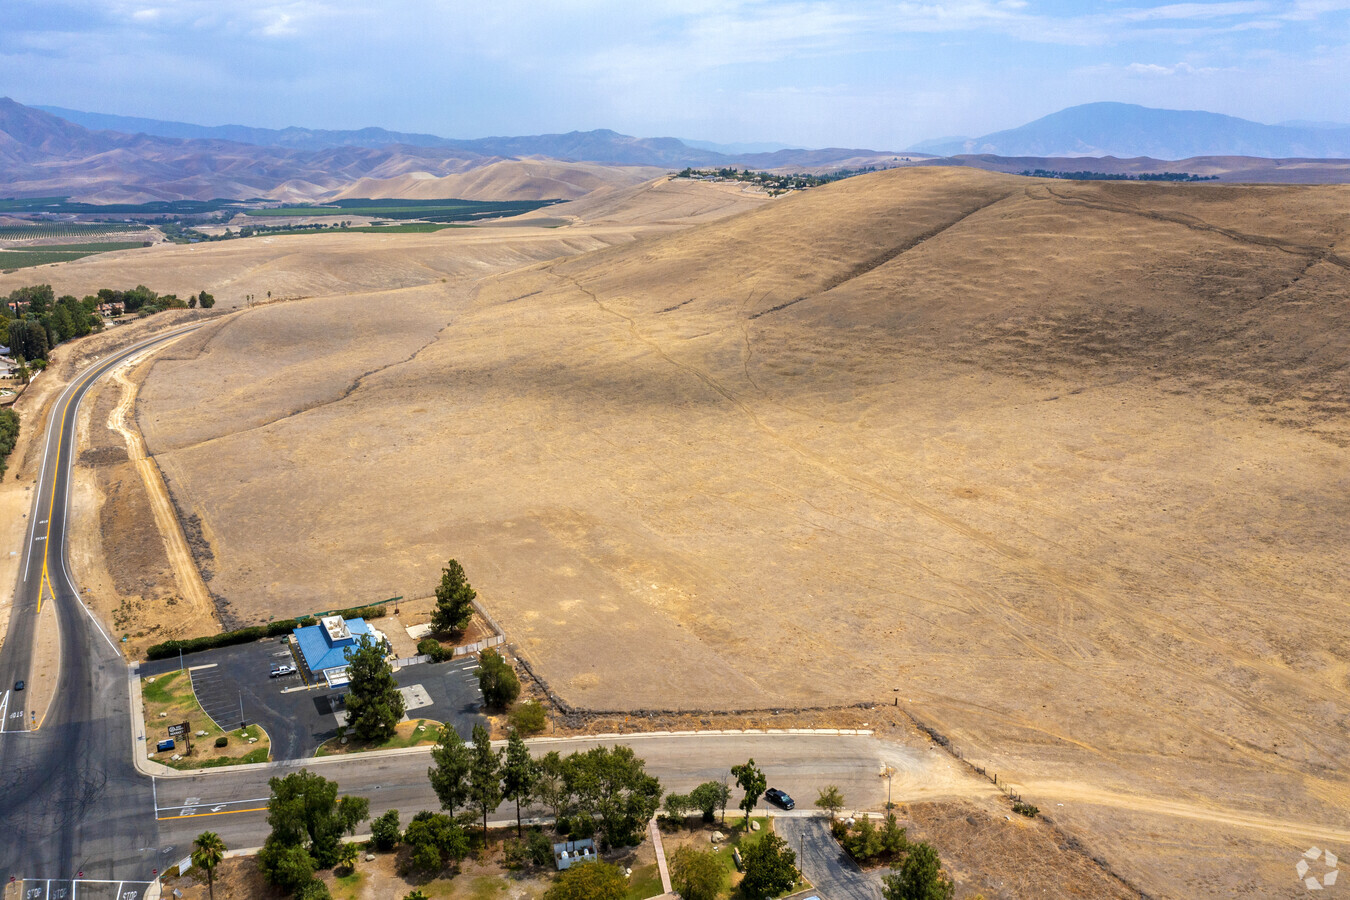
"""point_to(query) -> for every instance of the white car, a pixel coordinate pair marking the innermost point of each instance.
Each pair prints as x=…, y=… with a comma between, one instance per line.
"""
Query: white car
x=279, y=671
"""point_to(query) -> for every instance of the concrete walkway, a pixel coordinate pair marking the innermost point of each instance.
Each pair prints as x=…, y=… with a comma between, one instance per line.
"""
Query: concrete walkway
x=660, y=854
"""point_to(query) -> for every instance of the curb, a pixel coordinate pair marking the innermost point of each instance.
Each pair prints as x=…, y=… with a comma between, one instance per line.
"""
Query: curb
x=315, y=761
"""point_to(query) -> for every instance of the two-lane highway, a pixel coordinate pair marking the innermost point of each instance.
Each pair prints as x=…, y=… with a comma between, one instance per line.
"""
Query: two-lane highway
x=70, y=799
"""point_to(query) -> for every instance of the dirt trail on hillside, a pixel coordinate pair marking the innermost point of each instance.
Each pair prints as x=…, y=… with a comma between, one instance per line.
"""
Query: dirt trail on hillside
x=186, y=574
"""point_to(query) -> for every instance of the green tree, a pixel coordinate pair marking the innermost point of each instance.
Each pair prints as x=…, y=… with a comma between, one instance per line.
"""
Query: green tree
x=497, y=680
x=434, y=841
x=28, y=339
x=384, y=831
x=864, y=843
x=288, y=867
x=589, y=881
x=612, y=784
x=485, y=775
x=206, y=300
x=677, y=807
x=830, y=800
x=751, y=780
x=770, y=867
x=551, y=787
x=454, y=600
x=918, y=876
x=697, y=874
x=450, y=774
x=893, y=838
x=9, y=435
x=207, y=852
x=374, y=705
x=305, y=813
x=348, y=854
x=520, y=773
x=708, y=796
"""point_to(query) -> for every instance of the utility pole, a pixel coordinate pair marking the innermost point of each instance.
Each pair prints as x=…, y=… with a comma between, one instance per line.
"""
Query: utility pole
x=241, y=710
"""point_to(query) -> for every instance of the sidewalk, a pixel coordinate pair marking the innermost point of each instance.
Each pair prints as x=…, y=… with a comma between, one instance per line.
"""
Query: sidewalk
x=655, y=832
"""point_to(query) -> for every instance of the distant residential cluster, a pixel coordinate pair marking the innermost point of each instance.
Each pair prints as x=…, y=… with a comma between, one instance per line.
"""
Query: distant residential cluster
x=774, y=184
x=34, y=320
x=1117, y=176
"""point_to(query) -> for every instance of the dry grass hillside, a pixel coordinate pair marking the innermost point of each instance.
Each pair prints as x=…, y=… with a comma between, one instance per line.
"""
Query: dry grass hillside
x=519, y=179
x=1061, y=466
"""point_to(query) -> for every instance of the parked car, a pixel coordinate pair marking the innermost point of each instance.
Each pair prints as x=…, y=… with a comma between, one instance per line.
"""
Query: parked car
x=284, y=669
x=779, y=798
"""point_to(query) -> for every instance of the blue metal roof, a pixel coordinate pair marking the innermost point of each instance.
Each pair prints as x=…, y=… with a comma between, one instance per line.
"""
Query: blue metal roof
x=320, y=653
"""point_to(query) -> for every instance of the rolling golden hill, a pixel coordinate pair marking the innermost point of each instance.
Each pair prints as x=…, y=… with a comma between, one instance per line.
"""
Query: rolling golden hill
x=1061, y=467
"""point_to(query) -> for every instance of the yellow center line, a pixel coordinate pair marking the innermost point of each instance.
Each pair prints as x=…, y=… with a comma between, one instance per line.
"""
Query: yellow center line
x=228, y=812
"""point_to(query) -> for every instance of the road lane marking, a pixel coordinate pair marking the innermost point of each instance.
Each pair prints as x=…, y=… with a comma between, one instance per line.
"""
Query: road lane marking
x=197, y=815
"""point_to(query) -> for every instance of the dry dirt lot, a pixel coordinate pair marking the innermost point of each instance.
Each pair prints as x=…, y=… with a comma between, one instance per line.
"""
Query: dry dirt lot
x=1062, y=465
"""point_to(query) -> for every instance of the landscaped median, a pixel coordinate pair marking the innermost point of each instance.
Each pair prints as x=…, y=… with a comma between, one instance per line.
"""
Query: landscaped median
x=167, y=700
x=419, y=733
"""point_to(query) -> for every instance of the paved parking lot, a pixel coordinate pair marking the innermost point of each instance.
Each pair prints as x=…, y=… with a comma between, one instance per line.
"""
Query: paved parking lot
x=234, y=682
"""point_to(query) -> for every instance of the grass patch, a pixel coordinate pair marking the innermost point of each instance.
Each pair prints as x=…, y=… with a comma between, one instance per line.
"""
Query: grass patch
x=171, y=694
x=348, y=887
x=645, y=882
x=409, y=734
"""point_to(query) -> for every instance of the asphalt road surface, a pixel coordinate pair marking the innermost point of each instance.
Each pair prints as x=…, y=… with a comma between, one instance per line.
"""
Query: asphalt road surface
x=70, y=800
x=72, y=806
x=824, y=862
x=233, y=684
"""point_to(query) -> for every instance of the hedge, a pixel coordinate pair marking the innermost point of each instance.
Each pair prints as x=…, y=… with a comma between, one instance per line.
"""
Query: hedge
x=253, y=633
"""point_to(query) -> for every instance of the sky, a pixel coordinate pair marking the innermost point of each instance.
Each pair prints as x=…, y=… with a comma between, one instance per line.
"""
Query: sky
x=879, y=75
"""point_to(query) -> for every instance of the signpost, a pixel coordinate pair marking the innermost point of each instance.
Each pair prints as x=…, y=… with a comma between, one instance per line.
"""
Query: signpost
x=183, y=730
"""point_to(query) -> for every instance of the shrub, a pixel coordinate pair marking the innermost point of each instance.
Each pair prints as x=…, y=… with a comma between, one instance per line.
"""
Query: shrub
x=313, y=890
x=539, y=848
x=514, y=854
x=839, y=829
x=432, y=648
x=384, y=833
x=563, y=825
x=1026, y=809
x=529, y=717
x=222, y=741
x=583, y=826
x=168, y=649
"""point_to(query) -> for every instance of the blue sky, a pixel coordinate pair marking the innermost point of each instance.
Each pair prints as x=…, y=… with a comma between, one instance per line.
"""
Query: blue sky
x=826, y=73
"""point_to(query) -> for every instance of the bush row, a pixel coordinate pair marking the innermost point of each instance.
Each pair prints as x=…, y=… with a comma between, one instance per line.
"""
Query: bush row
x=253, y=633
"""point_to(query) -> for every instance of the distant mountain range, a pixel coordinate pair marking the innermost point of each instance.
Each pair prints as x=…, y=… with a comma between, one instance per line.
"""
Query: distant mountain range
x=1125, y=130
x=602, y=145
x=102, y=158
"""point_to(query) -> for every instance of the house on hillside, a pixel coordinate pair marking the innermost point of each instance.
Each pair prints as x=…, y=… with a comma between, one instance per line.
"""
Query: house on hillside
x=324, y=647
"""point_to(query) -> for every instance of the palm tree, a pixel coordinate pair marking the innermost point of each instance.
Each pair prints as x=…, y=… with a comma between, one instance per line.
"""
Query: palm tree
x=207, y=852
x=348, y=855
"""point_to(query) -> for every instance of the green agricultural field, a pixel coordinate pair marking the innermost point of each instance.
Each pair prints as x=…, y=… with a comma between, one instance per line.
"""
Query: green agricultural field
x=41, y=256
x=436, y=210
x=62, y=229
